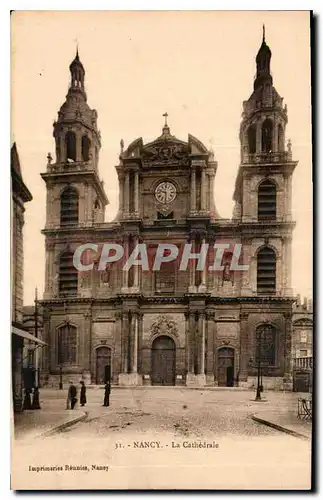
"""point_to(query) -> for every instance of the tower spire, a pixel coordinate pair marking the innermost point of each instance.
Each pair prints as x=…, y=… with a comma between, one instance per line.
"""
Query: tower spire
x=77, y=72
x=263, y=62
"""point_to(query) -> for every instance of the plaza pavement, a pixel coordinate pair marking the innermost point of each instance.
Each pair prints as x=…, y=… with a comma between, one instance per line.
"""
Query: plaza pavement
x=249, y=455
x=279, y=408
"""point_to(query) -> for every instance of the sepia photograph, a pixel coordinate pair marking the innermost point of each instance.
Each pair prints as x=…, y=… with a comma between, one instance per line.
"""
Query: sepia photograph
x=161, y=250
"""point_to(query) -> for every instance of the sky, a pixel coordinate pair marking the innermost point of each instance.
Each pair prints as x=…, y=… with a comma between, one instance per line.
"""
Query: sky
x=198, y=66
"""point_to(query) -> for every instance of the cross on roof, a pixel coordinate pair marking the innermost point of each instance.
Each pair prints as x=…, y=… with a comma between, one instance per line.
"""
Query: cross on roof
x=165, y=115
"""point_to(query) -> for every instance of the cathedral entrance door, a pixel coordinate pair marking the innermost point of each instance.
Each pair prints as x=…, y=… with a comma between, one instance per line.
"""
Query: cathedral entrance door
x=103, y=365
x=163, y=361
x=226, y=367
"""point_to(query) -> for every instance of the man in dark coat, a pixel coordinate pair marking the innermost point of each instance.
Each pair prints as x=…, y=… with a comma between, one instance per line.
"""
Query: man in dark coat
x=72, y=391
x=83, y=393
x=35, y=404
x=107, y=390
x=27, y=399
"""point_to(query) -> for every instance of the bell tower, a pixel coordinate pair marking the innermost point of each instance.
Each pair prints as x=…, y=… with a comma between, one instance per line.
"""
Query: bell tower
x=75, y=194
x=76, y=134
x=263, y=191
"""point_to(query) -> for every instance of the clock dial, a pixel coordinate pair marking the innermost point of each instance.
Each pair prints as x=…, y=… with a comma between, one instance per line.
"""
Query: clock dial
x=165, y=192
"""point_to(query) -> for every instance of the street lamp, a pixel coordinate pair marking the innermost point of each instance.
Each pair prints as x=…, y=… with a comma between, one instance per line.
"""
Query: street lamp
x=259, y=385
x=60, y=377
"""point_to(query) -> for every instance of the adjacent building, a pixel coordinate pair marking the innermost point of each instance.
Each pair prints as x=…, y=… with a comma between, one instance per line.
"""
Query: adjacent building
x=19, y=196
x=170, y=327
x=302, y=345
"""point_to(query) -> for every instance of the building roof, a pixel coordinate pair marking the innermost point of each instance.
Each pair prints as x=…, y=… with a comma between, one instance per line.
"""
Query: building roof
x=18, y=185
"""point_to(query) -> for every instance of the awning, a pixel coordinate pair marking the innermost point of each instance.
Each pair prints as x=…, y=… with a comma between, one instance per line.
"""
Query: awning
x=26, y=335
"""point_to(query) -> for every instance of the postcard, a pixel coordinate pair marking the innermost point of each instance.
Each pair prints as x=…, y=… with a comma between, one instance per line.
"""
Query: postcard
x=161, y=242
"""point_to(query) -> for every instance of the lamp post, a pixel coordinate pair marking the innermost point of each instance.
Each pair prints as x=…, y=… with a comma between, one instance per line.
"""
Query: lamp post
x=60, y=377
x=258, y=393
x=259, y=386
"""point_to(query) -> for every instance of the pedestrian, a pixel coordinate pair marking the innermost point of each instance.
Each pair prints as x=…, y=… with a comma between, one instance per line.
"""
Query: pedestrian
x=83, y=393
x=35, y=404
x=107, y=390
x=72, y=391
x=27, y=400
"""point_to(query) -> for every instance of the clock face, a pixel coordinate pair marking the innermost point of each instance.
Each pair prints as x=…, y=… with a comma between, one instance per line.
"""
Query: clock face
x=165, y=192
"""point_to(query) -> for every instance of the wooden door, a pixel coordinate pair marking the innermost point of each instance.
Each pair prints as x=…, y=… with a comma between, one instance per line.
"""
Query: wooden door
x=225, y=367
x=103, y=360
x=163, y=361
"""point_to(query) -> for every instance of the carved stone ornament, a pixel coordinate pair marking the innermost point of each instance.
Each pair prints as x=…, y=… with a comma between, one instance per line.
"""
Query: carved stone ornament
x=164, y=325
x=165, y=152
x=226, y=342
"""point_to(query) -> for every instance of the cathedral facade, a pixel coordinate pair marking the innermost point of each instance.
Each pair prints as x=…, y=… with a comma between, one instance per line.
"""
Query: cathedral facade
x=170, y=326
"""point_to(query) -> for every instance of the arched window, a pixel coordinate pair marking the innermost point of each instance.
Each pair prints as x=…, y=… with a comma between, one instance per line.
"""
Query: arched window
x=66, y=344
x=281, y=142
x=69, y=206
x=266, y=271
x=267, y=136
x=86, y=144
x=266, y=339
x=68, y=275
x=267, y=200
x=252, y=139
x=70, y=144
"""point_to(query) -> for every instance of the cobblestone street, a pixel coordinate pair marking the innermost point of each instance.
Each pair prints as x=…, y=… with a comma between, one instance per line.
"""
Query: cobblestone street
x=173, y=422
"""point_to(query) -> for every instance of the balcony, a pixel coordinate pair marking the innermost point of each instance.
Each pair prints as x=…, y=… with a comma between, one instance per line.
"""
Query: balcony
x=303, y=363
x=70, y=166
x=257, y=158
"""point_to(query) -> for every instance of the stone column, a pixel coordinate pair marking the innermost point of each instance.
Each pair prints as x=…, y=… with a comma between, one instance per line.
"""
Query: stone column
x=125, y=341
x=86, y=347
x=192, y=327
x=121, y=193
x=201, y=350
x=211, y=198
x=135, y=331
x=118, y=352
x=288, y=266
x=258, y=136
x=125, y=272
x=289, y=198
x=126, y=193
x=62, y=149
x=192, y=267
x=190, y=376
x=203, y=282
x=246, y=205
x=244, y=350
x=193, y=189
x=79, y=146
x=210, y=348
x=136, y=269
x=275, y=136
x=249, y=277
x=203, y=189
x=187, y=342
x=136, y=194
